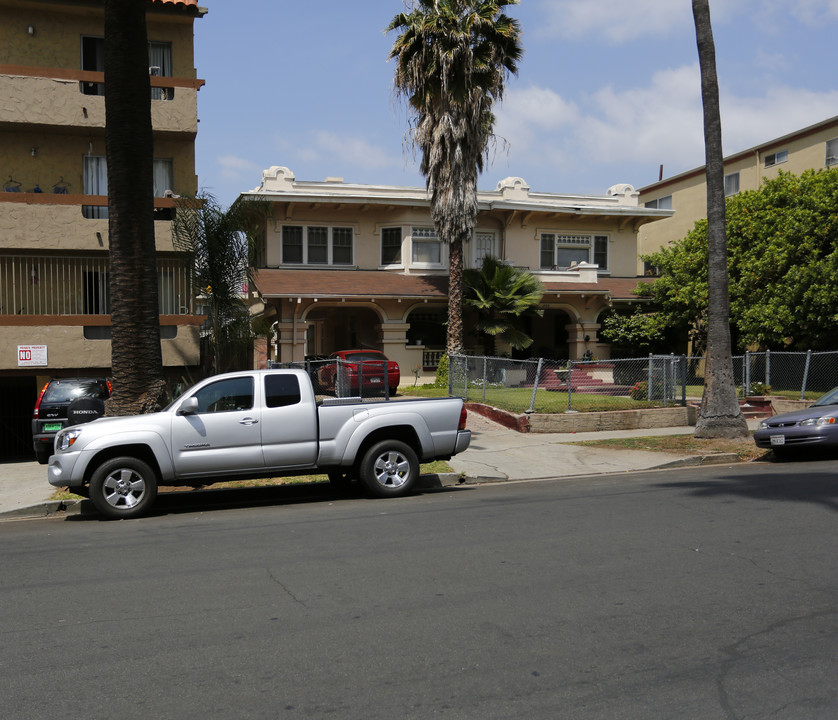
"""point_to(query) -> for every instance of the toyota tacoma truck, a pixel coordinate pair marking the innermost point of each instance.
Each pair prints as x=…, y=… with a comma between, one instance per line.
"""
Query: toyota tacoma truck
x=260, y=423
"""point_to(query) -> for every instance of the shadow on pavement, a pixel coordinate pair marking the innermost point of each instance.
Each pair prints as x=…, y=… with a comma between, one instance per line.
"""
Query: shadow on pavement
x=819, y=488
x=209, y=499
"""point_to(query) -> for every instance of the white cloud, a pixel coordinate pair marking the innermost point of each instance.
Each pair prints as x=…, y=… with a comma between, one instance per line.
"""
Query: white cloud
x=814, y=11
x=234, y=167
x=535, y=108
x=620, y=21
x=356, y=151
x=750, y=121
x=645, y=126
x=617, y=20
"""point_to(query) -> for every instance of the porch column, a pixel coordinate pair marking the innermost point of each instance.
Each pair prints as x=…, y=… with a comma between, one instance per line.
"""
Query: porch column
x=575, y=340
x=291, y=340
x=395, y=347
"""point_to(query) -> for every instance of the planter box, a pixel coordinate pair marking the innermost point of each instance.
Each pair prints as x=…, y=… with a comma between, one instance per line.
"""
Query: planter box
x=590, y=422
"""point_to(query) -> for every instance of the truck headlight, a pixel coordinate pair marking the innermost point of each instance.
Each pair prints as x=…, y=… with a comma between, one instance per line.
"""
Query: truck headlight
x=67, y=438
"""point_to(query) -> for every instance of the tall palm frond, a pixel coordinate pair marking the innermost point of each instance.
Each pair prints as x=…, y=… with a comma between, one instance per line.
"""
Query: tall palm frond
x=452, y=60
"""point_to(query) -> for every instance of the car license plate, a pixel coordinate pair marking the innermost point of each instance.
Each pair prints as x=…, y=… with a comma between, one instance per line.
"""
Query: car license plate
x=778, y=439
x=52, y=427
x=375, y=380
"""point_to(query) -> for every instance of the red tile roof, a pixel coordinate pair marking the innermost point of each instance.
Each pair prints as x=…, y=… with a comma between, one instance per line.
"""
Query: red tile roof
x=371, y=284
x=178, y=2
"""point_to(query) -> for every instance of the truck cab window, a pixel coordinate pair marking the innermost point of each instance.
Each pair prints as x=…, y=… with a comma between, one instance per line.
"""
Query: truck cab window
x=226, y=395
x=281, y=390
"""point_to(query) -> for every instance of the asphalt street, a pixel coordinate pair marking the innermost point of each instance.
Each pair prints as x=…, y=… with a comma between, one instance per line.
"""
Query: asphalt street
x=691, y=593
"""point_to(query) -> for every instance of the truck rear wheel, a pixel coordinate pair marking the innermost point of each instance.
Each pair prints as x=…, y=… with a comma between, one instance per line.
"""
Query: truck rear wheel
x=123, y=487
x=389, y=469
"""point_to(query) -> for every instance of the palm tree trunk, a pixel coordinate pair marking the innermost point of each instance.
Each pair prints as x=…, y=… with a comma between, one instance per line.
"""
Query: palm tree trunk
x=720, y=414
x=136, y=356
x=455, y=297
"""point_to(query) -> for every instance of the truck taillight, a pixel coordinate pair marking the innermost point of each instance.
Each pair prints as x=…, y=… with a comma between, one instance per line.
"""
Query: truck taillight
x=463, y=418
x=38, y=402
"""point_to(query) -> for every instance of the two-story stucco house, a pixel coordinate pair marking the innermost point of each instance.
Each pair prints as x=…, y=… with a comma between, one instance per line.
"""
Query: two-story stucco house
x=344, y=266
x=54, y=296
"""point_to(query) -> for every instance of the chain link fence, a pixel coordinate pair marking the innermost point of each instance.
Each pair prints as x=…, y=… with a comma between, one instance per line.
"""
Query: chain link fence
x=339, y=378
x=799, y=375
x=550, y=386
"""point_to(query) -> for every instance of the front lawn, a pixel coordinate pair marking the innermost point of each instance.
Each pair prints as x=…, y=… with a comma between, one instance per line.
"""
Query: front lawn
x=518, y=400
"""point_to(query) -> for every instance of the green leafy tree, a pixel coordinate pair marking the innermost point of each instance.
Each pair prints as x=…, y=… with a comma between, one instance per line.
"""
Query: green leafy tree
x=720, y=415
x=136, y=357
x=782, y=257
x=501, y=296
x=637, y=333
x=452, y=60
x=218, y=244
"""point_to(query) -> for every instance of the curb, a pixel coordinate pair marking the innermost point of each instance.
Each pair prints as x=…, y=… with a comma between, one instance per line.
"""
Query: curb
x=50, y=508
x=429, y=481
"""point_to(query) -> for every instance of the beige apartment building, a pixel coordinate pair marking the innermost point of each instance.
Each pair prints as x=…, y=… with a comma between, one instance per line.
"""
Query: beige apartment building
x=54, y=296
x=813, y=147
x=347, y=266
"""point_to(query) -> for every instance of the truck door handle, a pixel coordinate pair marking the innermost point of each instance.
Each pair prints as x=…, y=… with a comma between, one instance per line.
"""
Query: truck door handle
x=248, y=421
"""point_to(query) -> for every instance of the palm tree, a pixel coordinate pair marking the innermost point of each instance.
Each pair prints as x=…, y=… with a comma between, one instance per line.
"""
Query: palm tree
x=136, y=358
x=502, y=295
x=453, y=57
x=218, y=245
x=720, y=415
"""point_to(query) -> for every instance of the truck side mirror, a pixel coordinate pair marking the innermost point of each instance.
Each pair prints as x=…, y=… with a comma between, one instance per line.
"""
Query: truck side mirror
x=188, y=406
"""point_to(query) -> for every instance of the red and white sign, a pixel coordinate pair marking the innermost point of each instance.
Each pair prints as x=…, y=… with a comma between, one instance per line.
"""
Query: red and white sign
x=31, y=355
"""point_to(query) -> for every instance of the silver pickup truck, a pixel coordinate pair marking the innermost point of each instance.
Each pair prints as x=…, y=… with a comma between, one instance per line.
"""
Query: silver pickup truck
x=261, y=423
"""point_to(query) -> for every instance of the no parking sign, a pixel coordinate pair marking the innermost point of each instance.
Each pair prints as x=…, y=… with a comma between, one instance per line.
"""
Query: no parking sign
x=31, y=355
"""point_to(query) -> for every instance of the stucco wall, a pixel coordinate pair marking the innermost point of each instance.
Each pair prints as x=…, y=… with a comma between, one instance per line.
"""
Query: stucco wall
x=689, y=194
x=518, y=241
x=68, y=348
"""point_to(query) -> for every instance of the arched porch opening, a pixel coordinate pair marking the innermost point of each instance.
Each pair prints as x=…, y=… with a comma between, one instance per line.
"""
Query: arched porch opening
x=550, y=334
x=342, y=328
x=428, y=330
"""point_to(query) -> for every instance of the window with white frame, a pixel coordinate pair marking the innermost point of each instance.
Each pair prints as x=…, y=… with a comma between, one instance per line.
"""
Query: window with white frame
x=484, y=244
x=776, y=158
x=391, y=246
x=662, y=203
x=317, y=245
x=560, y=251
x=426, y=249
x=832, y=152
x=731, y=184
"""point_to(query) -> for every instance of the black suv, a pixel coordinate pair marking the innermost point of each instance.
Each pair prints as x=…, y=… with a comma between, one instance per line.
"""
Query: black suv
x=64, y=402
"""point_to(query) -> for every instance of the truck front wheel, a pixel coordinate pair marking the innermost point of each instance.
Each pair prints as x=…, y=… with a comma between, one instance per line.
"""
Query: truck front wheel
x=123, y=487
x=389, y=469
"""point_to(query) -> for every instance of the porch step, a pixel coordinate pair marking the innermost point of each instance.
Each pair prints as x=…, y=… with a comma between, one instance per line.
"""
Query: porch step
x=751, y=407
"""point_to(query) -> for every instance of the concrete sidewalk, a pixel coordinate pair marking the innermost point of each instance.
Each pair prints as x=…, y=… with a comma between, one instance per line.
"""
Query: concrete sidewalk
x=496, y=454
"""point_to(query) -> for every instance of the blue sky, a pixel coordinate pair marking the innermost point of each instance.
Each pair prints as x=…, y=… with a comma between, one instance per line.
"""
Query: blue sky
x=607, y=91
